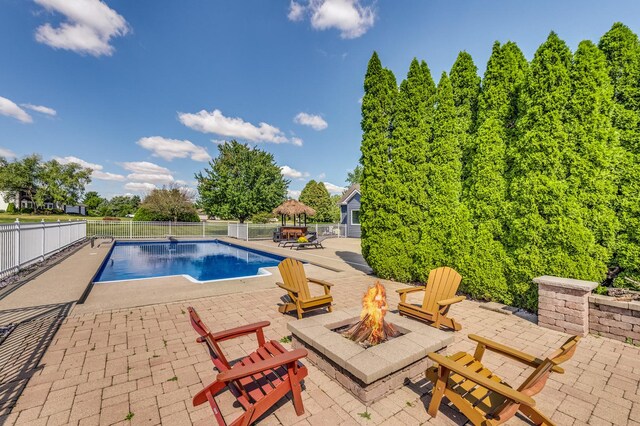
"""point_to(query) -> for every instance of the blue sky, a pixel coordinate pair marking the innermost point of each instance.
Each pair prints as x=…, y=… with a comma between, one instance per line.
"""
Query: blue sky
x=144, y=90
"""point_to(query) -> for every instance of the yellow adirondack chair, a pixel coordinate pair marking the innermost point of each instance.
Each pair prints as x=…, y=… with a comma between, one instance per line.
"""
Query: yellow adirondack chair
x=440, y=294
x=296, y=285
x=481, y=395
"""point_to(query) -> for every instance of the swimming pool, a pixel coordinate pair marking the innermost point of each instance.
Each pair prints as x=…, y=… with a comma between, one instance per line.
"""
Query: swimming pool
x=198, y=261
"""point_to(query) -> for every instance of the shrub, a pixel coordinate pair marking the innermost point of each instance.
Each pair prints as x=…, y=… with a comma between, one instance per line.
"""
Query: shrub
x=26, y=210
x=11, y=208
x=264, y=217
x=111, y=218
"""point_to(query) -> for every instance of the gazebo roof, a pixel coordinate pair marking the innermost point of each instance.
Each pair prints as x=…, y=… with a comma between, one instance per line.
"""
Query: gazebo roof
x=293, y=208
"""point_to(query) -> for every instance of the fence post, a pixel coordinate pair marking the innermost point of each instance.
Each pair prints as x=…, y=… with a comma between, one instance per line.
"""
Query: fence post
x=170, y=228
x=204, y=223
x=130, y=229
x=18, y=241
x=247, y=226
x=316, y=229
x=44, y=234
x=59, y=235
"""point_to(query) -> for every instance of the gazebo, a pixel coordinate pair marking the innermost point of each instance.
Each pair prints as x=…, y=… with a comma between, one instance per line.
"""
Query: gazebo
x=296, y=210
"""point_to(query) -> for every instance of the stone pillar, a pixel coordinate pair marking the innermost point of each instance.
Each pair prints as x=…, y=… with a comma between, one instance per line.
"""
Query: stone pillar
x=563, y=304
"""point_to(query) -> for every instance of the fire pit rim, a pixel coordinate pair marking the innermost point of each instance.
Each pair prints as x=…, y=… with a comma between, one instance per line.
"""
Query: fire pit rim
x=376, y=362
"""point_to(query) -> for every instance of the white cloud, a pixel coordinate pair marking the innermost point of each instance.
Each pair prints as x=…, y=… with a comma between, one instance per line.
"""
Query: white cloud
x=169, y=149
x=293, y=173
x=72, y=159
x=97, y=168
x=334, y=189
x=151, y=177
x=139, y=186
x=233, y=127
x=322, y=175
x=89, y=27
x=107, y=176
x=293, y=193
x=7, y=153
x=41, y=109
x=351, y=17
x=145, y=167
x=10, y=109
x=314, y=121
x=296, y=141
x=296, y=11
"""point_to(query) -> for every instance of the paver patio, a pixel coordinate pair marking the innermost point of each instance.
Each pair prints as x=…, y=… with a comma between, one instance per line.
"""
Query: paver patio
x=102, y=366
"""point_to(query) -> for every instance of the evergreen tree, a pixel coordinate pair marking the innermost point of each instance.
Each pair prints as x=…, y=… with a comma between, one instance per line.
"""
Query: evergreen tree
x=486, y=183
x=595, y=146
x=412, y=131
x=316, y=196
x=622, y=50
x=444, y=232
x=377, y=123
x=547, y=235
x=465, y=83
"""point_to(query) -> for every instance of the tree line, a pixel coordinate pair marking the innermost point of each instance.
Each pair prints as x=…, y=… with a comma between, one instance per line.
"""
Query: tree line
x=40, y=182
x=533, y=169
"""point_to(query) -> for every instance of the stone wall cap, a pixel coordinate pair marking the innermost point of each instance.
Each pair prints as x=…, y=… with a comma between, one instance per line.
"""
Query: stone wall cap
x=566, y=283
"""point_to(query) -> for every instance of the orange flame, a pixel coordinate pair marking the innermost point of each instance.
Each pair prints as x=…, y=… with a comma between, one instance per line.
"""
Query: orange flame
x=374, y=308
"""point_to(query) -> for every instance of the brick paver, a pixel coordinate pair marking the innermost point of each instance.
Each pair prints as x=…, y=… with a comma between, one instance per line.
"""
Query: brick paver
x=142, y=366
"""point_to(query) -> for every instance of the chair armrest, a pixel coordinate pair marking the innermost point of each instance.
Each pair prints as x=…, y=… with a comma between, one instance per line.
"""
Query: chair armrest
x=451, y=301
x=512, y=353
x=471, y=375
x=261, y=366
x=409, y=290
x=284, y=287
x=321, y=282
x=239, y=331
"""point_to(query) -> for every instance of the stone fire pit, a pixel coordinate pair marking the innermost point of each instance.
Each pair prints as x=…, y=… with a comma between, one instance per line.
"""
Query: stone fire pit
x=369, y=374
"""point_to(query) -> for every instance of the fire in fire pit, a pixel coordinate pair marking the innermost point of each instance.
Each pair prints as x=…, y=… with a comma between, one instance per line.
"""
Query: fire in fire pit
x=372, y=328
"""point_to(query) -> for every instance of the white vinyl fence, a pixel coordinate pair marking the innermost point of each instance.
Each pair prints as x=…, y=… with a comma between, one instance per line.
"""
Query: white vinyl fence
x=259, y=231
x=139, y=229
x=22, y=244
x=241, y=231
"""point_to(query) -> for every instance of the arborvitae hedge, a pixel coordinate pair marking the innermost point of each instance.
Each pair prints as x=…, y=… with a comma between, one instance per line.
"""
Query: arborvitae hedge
x=413, y=126
x=465, y=83
x=377, y=115
x=536, y=171
x=622, y=49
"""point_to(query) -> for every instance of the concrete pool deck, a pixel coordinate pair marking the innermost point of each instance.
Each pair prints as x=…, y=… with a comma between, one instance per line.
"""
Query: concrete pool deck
x=105, y=365
x=126, y=294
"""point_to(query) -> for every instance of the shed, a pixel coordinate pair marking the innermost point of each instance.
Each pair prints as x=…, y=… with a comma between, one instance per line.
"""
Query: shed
x=350, y=211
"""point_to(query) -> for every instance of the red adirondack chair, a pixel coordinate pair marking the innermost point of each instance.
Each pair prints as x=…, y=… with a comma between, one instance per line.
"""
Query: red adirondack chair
x=257, y=381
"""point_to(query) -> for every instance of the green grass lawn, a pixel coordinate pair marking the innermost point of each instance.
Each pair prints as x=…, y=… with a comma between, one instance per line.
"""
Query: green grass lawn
x=7, y=217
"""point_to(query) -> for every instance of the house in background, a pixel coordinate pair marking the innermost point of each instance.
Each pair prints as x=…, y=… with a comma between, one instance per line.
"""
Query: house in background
x=26, y=203
x=350, y=211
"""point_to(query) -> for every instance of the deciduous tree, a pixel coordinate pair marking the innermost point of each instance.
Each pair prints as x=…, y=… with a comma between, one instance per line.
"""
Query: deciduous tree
x=241, y=182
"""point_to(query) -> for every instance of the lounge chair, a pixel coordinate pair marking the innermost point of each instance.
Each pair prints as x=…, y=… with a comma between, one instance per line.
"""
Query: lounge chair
x=296, y=285
x=259, y=380
x=316, y=243
x=287, y=243
x=484, y=398
x=440, y=294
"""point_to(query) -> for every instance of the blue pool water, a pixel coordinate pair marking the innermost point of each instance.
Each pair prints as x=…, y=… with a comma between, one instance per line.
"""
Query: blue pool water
x=199, y=261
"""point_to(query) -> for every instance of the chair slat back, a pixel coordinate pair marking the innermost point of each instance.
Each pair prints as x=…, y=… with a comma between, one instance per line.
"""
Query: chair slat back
x=538, y=379
x=219, y=360
x=442, y=284
x=293, y=275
